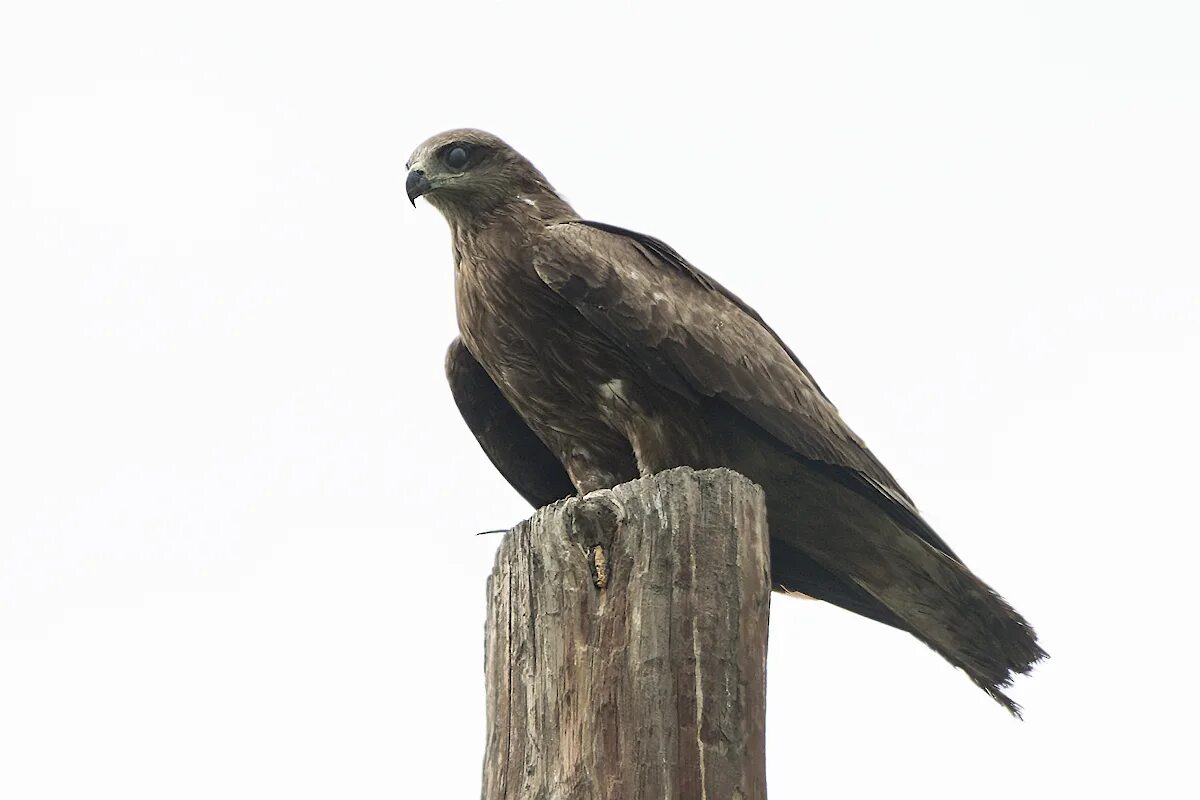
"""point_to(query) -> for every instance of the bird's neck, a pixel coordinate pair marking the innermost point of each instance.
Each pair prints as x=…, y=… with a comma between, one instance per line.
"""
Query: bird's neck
x=533, y=207
x=542, y=207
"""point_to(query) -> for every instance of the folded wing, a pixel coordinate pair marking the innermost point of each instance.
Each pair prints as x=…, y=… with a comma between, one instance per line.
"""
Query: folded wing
x=513, y=448
x=692, y=334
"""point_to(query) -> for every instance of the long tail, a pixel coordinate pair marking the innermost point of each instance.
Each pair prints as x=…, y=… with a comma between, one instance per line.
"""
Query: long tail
x=946, y=606
x=893, y=573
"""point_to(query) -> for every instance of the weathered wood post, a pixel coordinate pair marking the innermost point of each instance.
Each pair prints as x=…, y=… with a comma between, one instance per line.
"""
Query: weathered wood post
x=627, y=643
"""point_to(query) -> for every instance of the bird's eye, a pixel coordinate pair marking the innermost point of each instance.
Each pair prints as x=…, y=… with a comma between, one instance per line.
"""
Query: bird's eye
x=456, y=157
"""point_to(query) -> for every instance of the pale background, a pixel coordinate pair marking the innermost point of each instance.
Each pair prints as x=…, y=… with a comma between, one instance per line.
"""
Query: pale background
x=237, y=504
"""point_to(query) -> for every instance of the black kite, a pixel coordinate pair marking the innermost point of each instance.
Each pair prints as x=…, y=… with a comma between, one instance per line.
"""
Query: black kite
x=591, y=355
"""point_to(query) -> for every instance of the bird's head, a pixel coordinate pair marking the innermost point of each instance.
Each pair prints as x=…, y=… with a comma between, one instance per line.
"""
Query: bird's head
x=466, y=173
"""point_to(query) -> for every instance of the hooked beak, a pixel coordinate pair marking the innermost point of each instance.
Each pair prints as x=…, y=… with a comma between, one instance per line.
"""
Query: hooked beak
x=416, y=185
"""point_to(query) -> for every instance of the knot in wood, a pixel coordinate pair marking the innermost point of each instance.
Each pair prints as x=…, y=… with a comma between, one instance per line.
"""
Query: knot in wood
x=592, y=523
x=599, y=567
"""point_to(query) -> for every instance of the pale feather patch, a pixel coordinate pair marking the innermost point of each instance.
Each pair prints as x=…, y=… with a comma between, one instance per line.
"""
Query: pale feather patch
x=613, y=400
x=614, y=390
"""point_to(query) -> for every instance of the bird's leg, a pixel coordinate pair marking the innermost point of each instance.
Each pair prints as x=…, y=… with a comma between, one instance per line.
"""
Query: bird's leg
x=659, y=443
x=592, y=481
x=596, y=514
x=587, y=473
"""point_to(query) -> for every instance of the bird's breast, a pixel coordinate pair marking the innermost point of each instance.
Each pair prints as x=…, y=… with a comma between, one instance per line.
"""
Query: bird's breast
x=553, y=365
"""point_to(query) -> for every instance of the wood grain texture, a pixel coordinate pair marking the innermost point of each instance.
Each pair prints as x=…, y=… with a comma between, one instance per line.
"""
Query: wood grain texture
x=652, y=686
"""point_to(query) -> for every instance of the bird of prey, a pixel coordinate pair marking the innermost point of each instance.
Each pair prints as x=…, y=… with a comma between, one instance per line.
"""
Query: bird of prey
x=590, y=355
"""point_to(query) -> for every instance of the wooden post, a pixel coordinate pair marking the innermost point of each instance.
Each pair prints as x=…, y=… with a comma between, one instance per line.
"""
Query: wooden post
x=627, y=644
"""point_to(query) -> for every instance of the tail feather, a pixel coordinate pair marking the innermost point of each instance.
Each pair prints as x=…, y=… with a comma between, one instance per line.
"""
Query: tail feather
x=964, y=620
x=893, y=573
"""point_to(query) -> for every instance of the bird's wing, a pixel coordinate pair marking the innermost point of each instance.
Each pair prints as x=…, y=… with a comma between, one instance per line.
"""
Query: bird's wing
x=688, y=329
x=512, y=447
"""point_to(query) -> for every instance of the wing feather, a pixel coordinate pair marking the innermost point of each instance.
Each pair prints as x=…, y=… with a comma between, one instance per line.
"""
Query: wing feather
x=509, y=443
x=694, y=335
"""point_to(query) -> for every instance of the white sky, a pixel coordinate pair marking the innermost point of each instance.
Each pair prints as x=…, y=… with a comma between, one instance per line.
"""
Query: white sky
x=237, y=503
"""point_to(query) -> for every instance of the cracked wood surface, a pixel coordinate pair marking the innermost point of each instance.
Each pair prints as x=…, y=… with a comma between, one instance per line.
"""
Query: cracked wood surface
x=651, y=686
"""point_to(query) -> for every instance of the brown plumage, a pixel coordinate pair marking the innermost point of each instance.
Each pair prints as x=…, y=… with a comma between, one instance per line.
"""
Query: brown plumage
x=591, y=355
